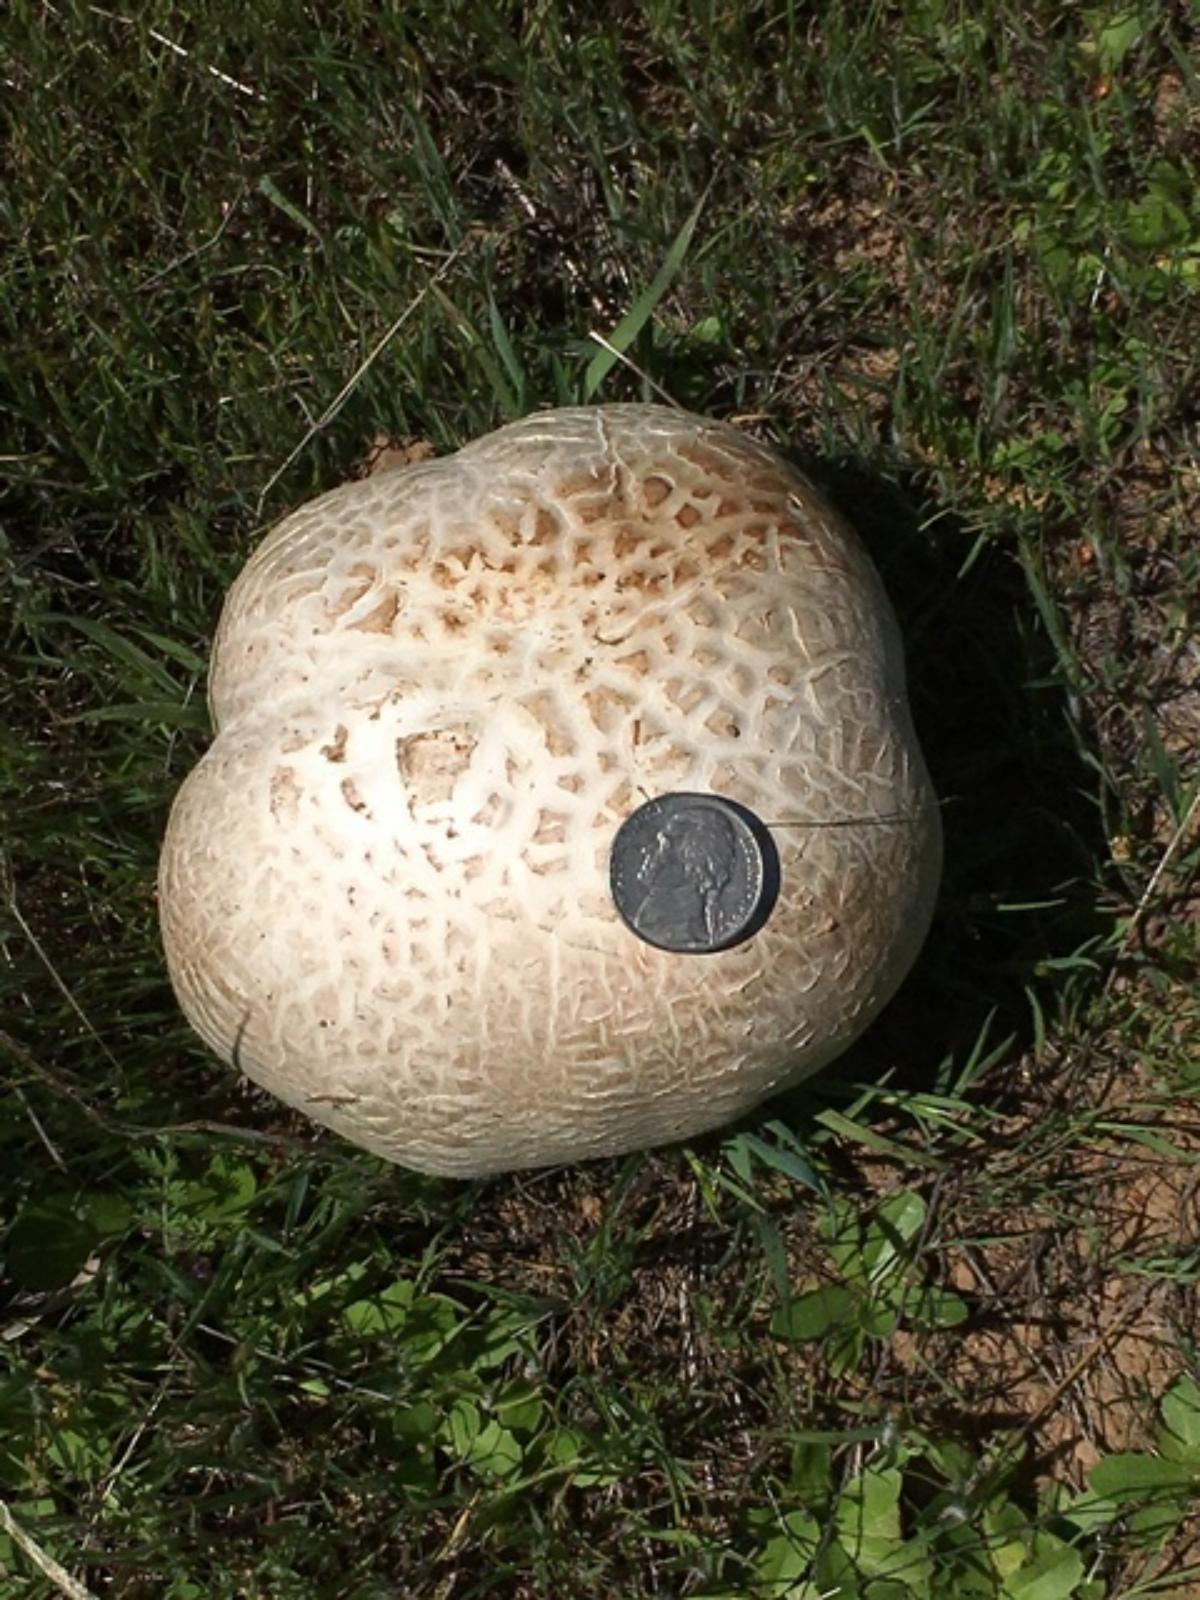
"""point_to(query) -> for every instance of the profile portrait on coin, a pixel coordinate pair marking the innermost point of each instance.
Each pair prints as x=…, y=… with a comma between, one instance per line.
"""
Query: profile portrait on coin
x=686, y=873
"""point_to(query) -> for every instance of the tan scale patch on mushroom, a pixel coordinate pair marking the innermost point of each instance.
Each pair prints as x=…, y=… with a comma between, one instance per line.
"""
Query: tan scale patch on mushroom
x=439, y=691
x=431, y=763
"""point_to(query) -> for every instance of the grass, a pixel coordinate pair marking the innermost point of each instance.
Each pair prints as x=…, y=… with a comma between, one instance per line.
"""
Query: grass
x=924, y=1329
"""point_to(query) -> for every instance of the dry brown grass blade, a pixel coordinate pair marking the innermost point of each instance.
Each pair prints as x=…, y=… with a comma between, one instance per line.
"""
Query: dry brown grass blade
x=1135, y=921
x=42, y=1559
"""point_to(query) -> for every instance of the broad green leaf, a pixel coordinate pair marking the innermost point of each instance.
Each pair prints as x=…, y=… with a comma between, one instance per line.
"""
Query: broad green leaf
x=108, y=1212
x=904, y=1562
x=463, y=1425
x=1133, y=1476
x=1149, y=1527
x=811, y=1315
x=1006, y=1531
x=1181, y=1412
x=879, y=1318
x=904, y=1214
x=1155, y=220
x=1052, y=1573
x=1116, y=39
x=495, y=1451
x=415, y=1470
x=935, y=1308
x=835, y=1574
x=889, y=1234
x=954, y=1461
x=869, y=1506
x=500, y=1337
x=520, y=1407
x=420, y=1325
x=788, y=1555
x=418, y=1422
x=844, y=1230
x=567, y=1446
x=709, y=330
x=1090, y=1512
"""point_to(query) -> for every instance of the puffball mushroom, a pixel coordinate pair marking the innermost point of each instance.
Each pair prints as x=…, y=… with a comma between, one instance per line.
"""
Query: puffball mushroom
x=438, y=693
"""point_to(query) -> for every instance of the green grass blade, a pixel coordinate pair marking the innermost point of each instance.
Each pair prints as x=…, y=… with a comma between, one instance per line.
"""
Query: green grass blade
x=643, y=308
x=121, y=649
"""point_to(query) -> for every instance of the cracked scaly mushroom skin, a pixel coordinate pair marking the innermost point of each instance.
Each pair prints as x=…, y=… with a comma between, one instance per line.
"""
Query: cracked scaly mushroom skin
x=437, y=694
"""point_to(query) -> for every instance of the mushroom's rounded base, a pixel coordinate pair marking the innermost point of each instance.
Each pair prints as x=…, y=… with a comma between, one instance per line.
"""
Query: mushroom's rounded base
x=466, y=1039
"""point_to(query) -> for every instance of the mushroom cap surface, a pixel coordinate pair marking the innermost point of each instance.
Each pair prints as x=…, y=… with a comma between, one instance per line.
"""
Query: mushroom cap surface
x=439, y=691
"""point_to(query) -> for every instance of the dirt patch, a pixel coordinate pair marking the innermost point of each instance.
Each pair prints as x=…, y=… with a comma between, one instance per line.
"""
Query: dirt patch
x=1073, y=1344
x=1081, y=1299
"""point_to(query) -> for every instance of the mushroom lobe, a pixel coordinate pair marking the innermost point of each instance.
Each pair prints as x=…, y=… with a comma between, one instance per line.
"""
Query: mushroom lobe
x=438, y=693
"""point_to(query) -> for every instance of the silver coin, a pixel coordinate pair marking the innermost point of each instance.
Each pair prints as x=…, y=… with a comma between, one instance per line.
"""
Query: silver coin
x=693, y=873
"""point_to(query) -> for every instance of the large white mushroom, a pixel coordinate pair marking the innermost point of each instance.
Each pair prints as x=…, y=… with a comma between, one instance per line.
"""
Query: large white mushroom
x=438, y=692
